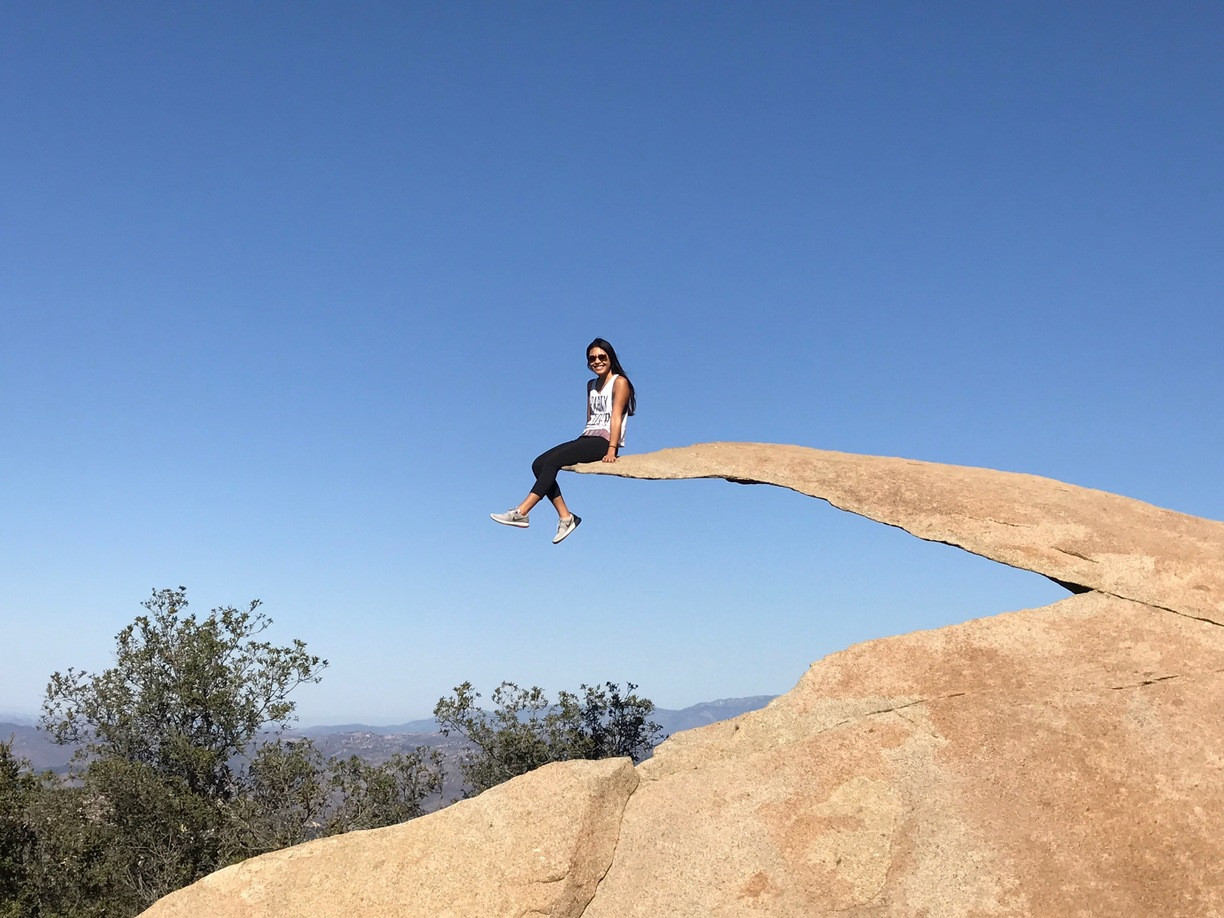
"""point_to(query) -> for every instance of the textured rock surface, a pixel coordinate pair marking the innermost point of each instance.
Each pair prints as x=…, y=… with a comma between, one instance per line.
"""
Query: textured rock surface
x=1073, y=535
x=1063, y=761
x=537, y=845
x=1060, y=761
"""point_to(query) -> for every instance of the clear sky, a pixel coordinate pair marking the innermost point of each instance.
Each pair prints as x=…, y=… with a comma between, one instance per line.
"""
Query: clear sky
x=292, y=294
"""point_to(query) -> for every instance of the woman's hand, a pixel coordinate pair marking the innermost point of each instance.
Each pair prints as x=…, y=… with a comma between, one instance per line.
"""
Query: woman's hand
x=610, y=457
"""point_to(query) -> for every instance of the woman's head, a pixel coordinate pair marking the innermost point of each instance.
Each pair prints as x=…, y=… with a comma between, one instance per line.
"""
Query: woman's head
x=600, y=348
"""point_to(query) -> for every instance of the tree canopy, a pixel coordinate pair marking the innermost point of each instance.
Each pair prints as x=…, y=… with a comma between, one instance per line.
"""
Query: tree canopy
x=184, y=696
x=184, y=765
x=526, y=730
x=182, y=768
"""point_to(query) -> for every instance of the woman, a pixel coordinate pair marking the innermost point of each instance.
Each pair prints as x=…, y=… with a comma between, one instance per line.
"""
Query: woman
x=610, y=402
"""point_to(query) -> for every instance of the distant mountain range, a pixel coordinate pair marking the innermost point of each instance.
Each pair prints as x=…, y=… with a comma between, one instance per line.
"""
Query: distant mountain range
x=33, y=744
x=378, y=743
x=672, y=721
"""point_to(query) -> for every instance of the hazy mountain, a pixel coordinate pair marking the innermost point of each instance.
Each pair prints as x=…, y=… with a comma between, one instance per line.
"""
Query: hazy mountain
x=377, y=744
x=428, y=725
x=672, y=721
x=707, y=712
x=31, y=743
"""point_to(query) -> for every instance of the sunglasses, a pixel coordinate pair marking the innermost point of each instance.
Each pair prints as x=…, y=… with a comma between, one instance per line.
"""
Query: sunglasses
x=597, y=358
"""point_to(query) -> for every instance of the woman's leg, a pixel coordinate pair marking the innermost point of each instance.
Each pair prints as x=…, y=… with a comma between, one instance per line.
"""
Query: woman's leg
x=528, y=502
x=549, y=463
x=563, y=512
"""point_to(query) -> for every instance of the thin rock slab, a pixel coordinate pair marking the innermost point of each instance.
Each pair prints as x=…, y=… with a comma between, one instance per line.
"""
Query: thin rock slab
x=1063, y=761
x=535, y=846
x=1079, y=537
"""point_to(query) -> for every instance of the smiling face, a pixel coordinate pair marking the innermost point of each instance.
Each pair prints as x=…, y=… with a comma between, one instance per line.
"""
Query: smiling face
x=597, y=360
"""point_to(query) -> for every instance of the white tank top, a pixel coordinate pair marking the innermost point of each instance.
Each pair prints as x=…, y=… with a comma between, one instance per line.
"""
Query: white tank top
x=600, y=405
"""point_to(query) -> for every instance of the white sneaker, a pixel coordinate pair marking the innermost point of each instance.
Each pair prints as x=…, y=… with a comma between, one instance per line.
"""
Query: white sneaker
x=511, y=518
x=566, y=526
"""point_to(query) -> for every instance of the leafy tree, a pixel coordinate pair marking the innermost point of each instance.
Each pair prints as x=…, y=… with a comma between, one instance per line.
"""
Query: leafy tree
x=294, y=794
x=525, y=730
x=51, y=847
x=185, y=697
x=371, y=796
x=176, y=776
x=162, y=737
x=285, y=799
x=16, y=837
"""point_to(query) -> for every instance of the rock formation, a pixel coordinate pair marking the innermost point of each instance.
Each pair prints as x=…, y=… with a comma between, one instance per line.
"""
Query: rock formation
x=1062, y=761
x=538, y=845
x=1084, y=539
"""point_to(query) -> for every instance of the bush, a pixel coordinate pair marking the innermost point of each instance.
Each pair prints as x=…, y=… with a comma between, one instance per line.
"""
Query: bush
x=525, y=730
x=173, y=779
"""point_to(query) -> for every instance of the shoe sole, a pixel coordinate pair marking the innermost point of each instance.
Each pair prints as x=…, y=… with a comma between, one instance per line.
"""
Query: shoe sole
x=557, y=540
x=516, y=525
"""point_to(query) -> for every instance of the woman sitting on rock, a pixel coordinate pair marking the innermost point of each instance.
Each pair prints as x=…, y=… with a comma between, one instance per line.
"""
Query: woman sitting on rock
x=610, y=402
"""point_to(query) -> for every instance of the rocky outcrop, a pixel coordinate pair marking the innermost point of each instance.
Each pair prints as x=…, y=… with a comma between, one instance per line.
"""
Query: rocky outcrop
x=537, y=845
x=1060, y=761
x=1082, y=538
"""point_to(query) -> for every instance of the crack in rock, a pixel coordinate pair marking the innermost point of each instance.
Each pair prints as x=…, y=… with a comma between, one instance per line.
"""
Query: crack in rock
x=1071, y=690
x=1074, y=554
x=1156, y=679
x=620, y=825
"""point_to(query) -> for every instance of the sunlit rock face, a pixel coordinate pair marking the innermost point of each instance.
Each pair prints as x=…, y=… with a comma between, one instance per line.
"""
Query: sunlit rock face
x=1079, y=537
x=1060, y=761
x=537, y=845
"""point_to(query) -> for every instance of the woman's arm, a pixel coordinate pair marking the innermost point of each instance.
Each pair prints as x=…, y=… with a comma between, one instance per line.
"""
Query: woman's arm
x=620, y=399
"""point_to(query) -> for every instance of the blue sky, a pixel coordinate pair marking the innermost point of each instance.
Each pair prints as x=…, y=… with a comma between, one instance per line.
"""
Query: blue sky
x=293, y=293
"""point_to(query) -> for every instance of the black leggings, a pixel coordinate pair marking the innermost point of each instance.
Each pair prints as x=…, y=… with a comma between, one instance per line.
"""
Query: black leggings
x=547, y=464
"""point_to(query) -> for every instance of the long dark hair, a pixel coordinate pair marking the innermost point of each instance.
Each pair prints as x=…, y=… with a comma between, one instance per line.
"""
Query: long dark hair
x=615, y=367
